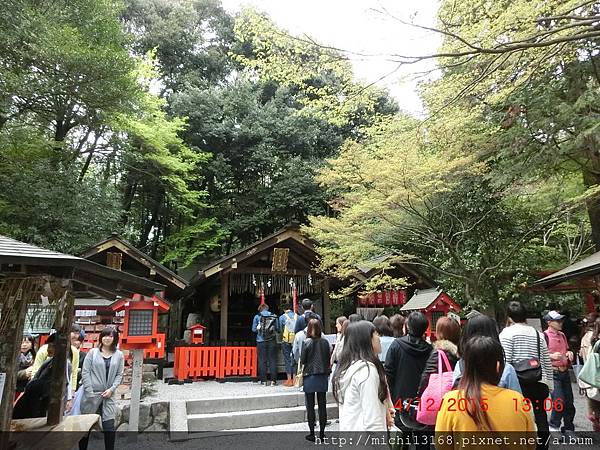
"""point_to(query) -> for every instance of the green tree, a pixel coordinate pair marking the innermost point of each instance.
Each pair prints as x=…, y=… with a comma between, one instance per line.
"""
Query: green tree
x=192, y=39
x=264, y=155
x=521, y=79
x=81, y=126
x=397, y=196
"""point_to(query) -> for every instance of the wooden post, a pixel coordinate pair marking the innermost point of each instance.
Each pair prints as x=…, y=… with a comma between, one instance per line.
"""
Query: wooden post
x=58, y=385
x=14, y=294
x=136, y=392
x=224, y=304
x=326, y=307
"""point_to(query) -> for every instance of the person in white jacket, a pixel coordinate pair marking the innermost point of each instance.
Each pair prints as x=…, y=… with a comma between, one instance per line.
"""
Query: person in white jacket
x=359, y=384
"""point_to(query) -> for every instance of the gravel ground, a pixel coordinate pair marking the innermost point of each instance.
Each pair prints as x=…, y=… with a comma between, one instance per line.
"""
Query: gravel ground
x=211, y=389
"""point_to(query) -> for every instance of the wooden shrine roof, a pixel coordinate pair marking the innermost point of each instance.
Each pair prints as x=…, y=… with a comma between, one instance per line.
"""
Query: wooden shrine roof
x=424, y=298
x=289, y=234
x=21, y=259
x=587, y=267
x=151, y=264
x=369, y=270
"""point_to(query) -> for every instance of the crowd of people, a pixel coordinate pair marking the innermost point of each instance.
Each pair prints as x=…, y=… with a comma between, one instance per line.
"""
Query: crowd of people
x=475, y=376
x=91, y=379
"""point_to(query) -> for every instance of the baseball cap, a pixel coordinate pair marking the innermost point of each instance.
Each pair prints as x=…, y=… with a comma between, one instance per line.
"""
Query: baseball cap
x=553, y=315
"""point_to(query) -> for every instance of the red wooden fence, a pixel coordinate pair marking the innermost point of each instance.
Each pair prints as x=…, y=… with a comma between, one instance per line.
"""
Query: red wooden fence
x=218, y=362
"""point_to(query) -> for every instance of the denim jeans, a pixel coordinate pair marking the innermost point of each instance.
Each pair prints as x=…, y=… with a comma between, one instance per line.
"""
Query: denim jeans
x=267, y=359
x=286, y=348
x=564, y=391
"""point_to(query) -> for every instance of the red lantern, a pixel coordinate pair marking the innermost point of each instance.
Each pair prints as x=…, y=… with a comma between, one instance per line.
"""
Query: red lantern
x=140, y=329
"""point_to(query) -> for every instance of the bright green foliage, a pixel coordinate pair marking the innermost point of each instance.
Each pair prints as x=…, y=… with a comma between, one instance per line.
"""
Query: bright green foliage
x=530, y=103
x=46, y=206
x=64, y=66
x=322, y=78
x=397, y=196
x=94, y=144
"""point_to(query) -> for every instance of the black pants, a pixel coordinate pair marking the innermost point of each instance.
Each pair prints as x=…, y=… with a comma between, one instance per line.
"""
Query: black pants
x=108, y=429
x=267, y=359
x=309, y=399
x=537, y=393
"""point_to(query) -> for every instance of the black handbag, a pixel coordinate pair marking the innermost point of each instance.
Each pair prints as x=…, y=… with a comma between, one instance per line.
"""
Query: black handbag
x=530, y=370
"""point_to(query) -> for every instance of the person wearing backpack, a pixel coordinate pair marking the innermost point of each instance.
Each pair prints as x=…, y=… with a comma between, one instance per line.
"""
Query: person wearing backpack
x=266, y=327
x=523, y=345
x=287, y=323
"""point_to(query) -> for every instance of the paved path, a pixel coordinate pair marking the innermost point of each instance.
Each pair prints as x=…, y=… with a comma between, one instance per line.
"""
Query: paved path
x=213, y=389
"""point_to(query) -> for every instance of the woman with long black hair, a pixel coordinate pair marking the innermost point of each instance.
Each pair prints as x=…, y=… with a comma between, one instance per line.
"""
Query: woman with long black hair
x=480, y=405
x=359, y=384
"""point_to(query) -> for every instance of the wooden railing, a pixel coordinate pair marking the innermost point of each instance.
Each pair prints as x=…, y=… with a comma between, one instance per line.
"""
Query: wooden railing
x=218, y=362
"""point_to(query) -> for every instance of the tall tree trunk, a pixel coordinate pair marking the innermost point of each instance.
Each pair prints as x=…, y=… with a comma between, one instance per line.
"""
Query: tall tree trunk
x=150, y=224
x=86, y=166
x=591, y=177
x=128, y=195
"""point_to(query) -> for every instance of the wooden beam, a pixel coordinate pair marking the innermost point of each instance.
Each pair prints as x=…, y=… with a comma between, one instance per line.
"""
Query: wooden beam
x=265, y=271
x=278, y=240
x=14, y=295
x=224, y=305
x=58, y=384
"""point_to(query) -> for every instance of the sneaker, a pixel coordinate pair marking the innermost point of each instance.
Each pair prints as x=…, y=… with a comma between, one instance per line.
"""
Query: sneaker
x=554, y=430
x=273, y=383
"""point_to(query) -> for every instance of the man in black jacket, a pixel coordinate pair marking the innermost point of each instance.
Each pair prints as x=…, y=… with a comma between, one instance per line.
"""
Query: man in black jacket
x=406, y=359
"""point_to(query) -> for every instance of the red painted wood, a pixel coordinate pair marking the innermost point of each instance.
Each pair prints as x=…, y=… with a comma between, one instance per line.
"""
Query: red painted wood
x=218, y=362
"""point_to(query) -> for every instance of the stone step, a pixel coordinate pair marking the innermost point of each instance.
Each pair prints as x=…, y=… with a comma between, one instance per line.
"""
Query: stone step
x=237, y=420
x=250, y=403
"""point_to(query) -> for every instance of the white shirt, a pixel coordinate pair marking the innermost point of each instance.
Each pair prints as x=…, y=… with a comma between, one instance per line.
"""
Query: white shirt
x=360, y=408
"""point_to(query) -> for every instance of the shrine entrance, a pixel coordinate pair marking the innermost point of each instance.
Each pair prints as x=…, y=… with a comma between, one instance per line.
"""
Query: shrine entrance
x=226, y=293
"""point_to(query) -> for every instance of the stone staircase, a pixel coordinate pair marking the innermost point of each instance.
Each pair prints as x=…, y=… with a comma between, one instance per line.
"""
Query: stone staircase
x=196, y=418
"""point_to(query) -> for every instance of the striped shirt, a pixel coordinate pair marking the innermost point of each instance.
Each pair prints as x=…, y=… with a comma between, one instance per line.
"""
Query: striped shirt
x=519, y=342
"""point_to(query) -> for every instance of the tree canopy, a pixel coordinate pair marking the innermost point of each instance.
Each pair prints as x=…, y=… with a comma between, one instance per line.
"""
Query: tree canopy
x=193, y=132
